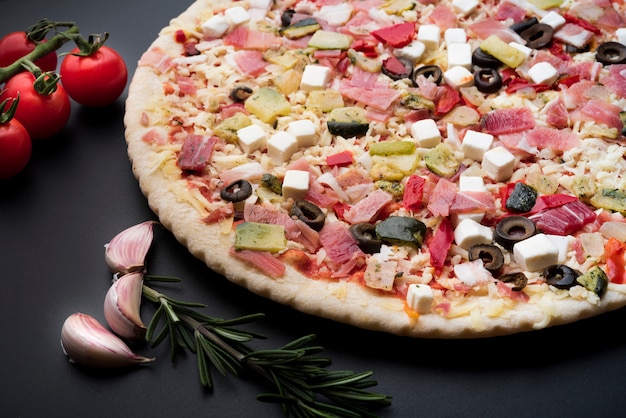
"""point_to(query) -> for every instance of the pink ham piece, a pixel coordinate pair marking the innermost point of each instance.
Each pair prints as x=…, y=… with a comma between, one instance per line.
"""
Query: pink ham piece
x=599, y=12
x=442, y=197
x=443, y=17
x=557, y=114
x=507, y=10
x=506, y=121
x=602, y=112
x=616, y=79
x=565, y=219
x=262, y=260
x=363, y=87
x=473, y=202
x=250, y=62
x=244, y=38
x=341, y=247
x=156, y=58
x=489, y=26
x=573, y=34
x=247, y=171
x=367, y=209
x=552, y=138
x=196, y=152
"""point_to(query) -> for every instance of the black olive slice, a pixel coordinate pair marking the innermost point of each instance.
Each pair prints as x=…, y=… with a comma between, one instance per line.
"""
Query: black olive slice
x=487, y=80
x=308, y=213
x=237, y=191
x=561, y=276
x=430, y=72
x=239, y=94
x=285, y=18
x=521, y=26
x=610, y=53
x=513, y=229
x=492, y=256
x=484, y=60
x=538, y=36
x=391, y=68
x=518, y=280
x=366, y=238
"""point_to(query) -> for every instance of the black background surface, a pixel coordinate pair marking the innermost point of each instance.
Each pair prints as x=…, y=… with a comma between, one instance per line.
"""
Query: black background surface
x=78, y=192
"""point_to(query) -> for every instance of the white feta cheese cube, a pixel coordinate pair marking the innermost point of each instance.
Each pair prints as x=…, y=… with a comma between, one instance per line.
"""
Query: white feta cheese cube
x=522, y=48
x=475, y=144
x=430, y=36
x=536, y=253
x=458, y=77
x=460, y=54
x=464, y=7
x=471, y=184
x=295, y=184
x=215, y=27
x=237, y=15
x=457, y=218
x=336, y=14
x=419, y=297
x=315, y=77
x=543, y=73
x=251, y=138
x=260, y=4
x=498, y=163
x=620, y=33
x=426, y=133
x=281, y=146
x=304, y=131
x=412, y=52
x=469, y=233
x=455, y=36
x=553, y=19
x=562, y=243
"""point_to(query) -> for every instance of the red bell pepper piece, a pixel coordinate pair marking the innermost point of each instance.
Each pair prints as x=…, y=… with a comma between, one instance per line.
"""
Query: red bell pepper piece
x=368, y=48
x=340, y=209
x=614, y=255
x=413, y=192
x=447, y=98
x=396, y=35
x=340, y=159
x=440, y=244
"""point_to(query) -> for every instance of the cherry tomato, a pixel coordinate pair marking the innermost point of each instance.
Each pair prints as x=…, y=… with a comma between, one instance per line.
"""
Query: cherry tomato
x=16, y=44
x=95, y=80
x=15, y=148
x=43, y=115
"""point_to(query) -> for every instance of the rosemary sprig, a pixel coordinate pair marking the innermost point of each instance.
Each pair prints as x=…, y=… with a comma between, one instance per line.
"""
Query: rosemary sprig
x=302, y=383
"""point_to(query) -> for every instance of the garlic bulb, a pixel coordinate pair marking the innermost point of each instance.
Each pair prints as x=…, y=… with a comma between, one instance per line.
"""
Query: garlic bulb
x=85, y=341
x=121, y=306
x=127, y=251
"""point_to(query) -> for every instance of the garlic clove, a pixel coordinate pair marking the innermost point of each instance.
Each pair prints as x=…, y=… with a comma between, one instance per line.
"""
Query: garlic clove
x=127, y=251
x=122, y=304
x=85, y=341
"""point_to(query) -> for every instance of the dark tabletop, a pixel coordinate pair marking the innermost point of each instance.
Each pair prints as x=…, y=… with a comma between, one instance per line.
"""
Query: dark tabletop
x=78, y=192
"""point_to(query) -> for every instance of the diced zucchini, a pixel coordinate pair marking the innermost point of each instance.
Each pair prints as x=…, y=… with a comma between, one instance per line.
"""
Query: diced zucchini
x=260, y=237
x=395, y=188
x=499, y=49
x=348, y=122
x=393, y=167
x=301, y=28
x=416, y=101
x=325, y=100
x=594, y=280
x=288, y=82
x=359, y=59
x=441, y=161
x=401, y=230
x=386, y=148
x=397, y=7
x=323, y=39
x=522, y=198
x=583, y=187
x=267, y=104
x=611, y=199
x=272, y=183
x=546, y=4
x=227, y=129
x=286, y=59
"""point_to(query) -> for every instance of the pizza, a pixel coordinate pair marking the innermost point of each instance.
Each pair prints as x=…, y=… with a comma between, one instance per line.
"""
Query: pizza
x=428, y=168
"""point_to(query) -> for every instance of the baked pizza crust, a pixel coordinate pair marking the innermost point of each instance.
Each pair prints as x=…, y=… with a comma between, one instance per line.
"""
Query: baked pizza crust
x=341, y=301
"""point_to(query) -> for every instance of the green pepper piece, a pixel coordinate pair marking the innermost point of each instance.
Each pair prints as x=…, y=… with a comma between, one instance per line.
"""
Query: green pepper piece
x=522, y=198
x=594, y=280
x=386, y=148
x=401, y=230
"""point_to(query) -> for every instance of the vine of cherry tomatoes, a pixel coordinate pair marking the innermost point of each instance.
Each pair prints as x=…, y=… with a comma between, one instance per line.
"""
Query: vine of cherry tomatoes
x=35, y=101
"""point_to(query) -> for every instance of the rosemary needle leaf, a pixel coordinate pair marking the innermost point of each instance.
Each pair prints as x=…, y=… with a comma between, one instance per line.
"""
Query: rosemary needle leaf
x=171, y=279
x=344, y=378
